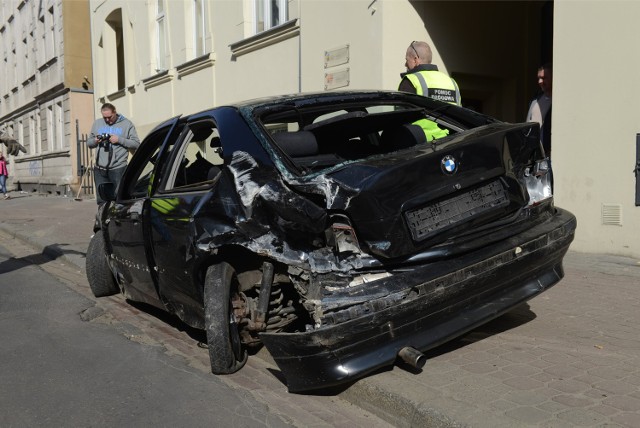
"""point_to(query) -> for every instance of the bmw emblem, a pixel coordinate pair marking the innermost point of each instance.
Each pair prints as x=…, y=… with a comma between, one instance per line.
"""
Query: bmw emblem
x=449, y=165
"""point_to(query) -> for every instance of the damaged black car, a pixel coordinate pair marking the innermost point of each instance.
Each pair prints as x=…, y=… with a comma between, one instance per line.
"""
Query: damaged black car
x=331, y=229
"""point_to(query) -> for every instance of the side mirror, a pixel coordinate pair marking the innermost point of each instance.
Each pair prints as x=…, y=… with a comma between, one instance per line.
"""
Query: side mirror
x=107, y=191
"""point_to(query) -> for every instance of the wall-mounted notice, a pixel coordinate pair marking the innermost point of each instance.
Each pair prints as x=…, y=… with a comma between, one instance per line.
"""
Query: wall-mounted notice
x=336, y=79
x=336, y=56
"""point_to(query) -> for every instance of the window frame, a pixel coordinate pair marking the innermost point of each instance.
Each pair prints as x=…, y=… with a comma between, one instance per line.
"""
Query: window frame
x=199, y=28
x=263, y=14
x=161, y=36
x=181, y=150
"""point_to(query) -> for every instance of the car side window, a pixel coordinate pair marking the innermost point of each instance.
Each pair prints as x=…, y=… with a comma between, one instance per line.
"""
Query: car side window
x=198, y=160
x=139, y=172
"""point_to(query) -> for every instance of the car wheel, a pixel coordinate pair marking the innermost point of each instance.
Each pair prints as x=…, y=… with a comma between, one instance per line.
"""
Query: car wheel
x=226, y=352
x=100, y=277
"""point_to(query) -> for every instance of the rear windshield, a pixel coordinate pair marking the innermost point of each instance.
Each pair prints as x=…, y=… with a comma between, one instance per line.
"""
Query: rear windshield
x=316, y=137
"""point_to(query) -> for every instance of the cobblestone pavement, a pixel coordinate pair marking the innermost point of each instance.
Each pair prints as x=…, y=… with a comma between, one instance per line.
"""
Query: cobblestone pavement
x=568, y=358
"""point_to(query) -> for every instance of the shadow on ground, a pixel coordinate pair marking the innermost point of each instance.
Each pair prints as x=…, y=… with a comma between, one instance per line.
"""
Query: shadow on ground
x=49, y=253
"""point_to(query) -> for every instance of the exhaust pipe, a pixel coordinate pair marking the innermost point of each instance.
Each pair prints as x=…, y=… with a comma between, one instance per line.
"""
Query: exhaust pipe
x=413, y=357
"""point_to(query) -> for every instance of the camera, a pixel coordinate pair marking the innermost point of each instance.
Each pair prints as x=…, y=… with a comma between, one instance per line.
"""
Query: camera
x=103, y=141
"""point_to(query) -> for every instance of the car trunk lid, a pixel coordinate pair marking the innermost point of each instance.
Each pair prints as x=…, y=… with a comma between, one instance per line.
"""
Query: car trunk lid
x=405, y=201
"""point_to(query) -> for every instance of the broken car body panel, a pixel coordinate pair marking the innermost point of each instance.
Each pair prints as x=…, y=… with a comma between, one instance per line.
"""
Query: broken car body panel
x=351, y=237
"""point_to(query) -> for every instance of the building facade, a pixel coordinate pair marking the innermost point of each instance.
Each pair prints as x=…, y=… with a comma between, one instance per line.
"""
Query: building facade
x=45, y=89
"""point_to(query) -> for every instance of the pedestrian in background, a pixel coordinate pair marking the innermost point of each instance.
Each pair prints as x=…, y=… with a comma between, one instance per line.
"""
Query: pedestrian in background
x=424, y=78
x=114, y=136
x=4, y=174
x=540, y=107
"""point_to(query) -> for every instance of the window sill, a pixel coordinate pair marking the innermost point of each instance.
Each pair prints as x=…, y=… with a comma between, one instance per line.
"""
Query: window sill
x=47, y=64
x=266, y=38
x=197, y=64
x=113, y=96
x=158, y=79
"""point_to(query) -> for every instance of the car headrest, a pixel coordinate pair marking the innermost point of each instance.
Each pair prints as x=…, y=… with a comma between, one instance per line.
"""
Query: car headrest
x=297, y=144
x=403, y=136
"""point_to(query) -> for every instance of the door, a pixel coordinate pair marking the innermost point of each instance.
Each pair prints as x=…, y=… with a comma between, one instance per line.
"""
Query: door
x=190, y=181
x=128, y=229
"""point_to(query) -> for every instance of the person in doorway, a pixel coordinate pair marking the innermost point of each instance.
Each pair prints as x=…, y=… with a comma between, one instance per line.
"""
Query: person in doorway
x=423, y=78
x=540, y=107
x=4, y=175
x=114, y=136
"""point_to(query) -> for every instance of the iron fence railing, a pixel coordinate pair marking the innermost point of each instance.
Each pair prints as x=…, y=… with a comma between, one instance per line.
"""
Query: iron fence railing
x=85, y=163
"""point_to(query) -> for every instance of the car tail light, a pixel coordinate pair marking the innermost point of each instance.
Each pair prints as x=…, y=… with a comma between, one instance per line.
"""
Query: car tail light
x=538, y=179
x=342, y=236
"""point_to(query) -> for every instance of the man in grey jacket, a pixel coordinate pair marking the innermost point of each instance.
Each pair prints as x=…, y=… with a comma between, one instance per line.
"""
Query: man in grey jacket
x=113, y=135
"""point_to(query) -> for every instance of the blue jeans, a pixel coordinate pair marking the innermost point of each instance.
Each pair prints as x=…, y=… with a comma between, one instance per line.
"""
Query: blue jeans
x=107, y=176
x=3, y=184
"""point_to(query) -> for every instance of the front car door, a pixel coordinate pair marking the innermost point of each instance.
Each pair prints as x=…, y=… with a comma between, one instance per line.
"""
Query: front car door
x=129, y=224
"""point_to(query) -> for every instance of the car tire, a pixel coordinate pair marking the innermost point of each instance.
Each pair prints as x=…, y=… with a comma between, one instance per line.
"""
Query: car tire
x=226, y=352
x=100, y=277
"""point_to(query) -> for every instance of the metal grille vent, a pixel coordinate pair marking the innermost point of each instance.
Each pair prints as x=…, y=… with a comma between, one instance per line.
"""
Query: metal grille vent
x=612, y=214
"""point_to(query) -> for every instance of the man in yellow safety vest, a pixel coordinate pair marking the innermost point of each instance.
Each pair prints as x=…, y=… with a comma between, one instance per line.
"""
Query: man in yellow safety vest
x=423, y=78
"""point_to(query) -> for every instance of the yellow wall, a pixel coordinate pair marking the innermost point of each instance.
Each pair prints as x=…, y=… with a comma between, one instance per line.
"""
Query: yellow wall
x=596, y=116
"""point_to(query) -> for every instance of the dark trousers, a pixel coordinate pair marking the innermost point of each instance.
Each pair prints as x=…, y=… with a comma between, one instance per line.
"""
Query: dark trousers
x=107, y=176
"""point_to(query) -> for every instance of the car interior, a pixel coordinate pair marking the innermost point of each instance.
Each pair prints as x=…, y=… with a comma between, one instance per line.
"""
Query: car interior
x=321, y=139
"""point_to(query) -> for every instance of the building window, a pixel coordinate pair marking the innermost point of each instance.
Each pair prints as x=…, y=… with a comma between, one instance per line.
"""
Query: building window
x=269, y=14
x=60, y=142
x=20, y=136
x=161, y=41
x=199, y=28
x=47, y=145
x=113, y=53
x=49, y=38
x=30, y=144
x=37, y=135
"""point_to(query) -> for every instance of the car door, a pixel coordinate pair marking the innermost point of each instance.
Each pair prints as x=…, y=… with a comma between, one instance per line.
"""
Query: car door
x=191, y=179
x=130, y=221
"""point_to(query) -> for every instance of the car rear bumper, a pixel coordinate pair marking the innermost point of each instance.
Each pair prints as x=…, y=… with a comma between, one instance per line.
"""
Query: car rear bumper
x=477, y=288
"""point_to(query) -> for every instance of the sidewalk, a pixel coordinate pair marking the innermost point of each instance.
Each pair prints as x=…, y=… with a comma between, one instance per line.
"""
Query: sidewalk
x=571, y=357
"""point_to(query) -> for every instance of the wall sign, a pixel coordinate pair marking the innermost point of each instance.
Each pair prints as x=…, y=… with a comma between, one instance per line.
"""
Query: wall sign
x=336, y=79
x=336, y=56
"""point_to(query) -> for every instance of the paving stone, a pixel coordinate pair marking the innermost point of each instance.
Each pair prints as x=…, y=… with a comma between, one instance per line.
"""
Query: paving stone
x=631, y=420
x=612, y=373
x=573, y=400
x=519, y=357
x=552, y=407
x=624, y=403
x=500, y=375
x=563, y=371
x=604, y=410
x=529, y=415
x=618, y=387
x=479, y=368
x=521, y=370
x=523, y=383
x=532, y=398
x=569, y=386
x=582, y=417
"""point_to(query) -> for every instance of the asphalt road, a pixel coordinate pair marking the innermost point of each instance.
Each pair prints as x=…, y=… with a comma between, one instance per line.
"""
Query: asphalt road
x=65, y=361
x=58, y=370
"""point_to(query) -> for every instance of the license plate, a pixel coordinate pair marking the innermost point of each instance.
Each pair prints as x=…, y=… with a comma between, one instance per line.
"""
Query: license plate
x=427, y=221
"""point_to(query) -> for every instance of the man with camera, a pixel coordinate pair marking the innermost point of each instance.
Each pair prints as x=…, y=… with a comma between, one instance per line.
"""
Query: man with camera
x=113, y=135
